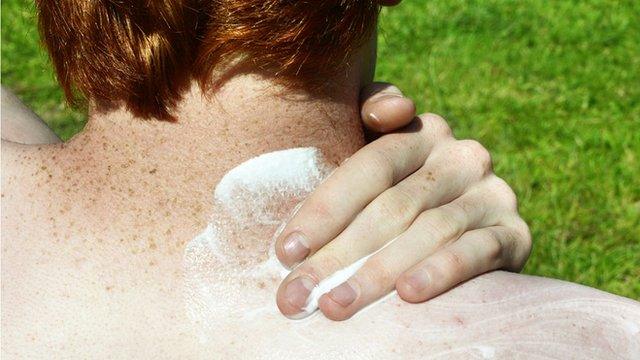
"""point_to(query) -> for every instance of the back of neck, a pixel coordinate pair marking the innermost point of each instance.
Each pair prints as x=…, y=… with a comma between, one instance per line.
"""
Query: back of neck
x=248, y=115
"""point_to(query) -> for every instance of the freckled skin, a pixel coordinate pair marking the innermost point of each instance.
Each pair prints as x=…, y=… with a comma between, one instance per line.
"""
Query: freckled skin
x=94, y=232
x=96, y=227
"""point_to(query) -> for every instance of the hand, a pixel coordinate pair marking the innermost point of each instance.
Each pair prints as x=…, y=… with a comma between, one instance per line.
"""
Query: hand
x=450, y=218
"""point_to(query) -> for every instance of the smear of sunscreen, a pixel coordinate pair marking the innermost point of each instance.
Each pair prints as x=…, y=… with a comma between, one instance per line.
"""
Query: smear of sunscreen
x=253, y=190
x=222, y=278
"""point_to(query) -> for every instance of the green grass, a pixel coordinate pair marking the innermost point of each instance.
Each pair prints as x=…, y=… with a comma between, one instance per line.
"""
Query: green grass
x=552, y=88
x=26, y=69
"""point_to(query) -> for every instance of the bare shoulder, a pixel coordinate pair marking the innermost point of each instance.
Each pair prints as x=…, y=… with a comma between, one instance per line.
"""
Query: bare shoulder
x=26, y=176
x=20, y=124
x=507, y=315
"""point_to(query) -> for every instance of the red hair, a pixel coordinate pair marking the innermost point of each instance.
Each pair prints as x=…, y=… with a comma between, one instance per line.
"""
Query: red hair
x=145, y=53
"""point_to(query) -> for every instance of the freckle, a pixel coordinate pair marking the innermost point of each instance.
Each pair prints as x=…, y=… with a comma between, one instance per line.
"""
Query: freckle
x=430, y=176
x=109, y=287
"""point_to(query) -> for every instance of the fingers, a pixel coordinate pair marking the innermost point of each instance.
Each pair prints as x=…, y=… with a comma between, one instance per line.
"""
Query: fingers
x=356, y=183
x=391, y=213
x=475, y=253
x=451, y=218
x=384, y=108
x=337, y=201
x=432, y=230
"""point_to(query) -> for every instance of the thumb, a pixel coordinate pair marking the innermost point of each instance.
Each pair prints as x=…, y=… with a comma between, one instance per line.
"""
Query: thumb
x=384, y=108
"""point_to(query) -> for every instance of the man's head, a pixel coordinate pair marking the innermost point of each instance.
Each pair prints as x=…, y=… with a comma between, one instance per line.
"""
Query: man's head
x=143, y=54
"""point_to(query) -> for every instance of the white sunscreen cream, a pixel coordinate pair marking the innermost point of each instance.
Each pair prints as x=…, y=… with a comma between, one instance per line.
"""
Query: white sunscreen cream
x=255, y=189
x=251, y=200
x=328, y=284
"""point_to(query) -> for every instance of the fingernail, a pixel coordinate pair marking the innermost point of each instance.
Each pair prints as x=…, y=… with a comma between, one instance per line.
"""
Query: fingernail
x=386, y=96
x=298, y=291
x=295, y=247
x=374, y=119
x=343, y=294
x=418, y=280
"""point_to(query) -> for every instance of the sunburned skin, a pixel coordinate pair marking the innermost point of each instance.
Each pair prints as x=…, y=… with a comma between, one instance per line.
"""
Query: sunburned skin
x=230, y=293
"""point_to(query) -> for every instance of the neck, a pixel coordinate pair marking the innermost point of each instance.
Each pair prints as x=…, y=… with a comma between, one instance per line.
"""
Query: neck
x=246, y=116
x=150, y=162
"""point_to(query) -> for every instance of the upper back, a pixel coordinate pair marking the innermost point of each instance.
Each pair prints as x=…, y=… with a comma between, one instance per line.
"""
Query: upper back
x=85, y=273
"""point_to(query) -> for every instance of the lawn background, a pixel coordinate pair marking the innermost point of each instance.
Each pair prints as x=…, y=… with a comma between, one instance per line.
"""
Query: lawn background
x=551, y=88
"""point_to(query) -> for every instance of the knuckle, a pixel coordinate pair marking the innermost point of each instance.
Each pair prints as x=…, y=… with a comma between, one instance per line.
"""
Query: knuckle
x=437, y=126
x=395, y=204
x=320, y=209
x=441, y=225
x=494, y=248
x=323, y=264
x=452, y=262
x=524, y=244
x=503, y=192
x=516, y=247
x=373, y=168
x=474, y=153
x=527, y=241
x=375, y=274
x=379, y=165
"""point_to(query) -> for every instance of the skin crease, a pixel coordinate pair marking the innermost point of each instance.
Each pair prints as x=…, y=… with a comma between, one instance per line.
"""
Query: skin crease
x=94, y=233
